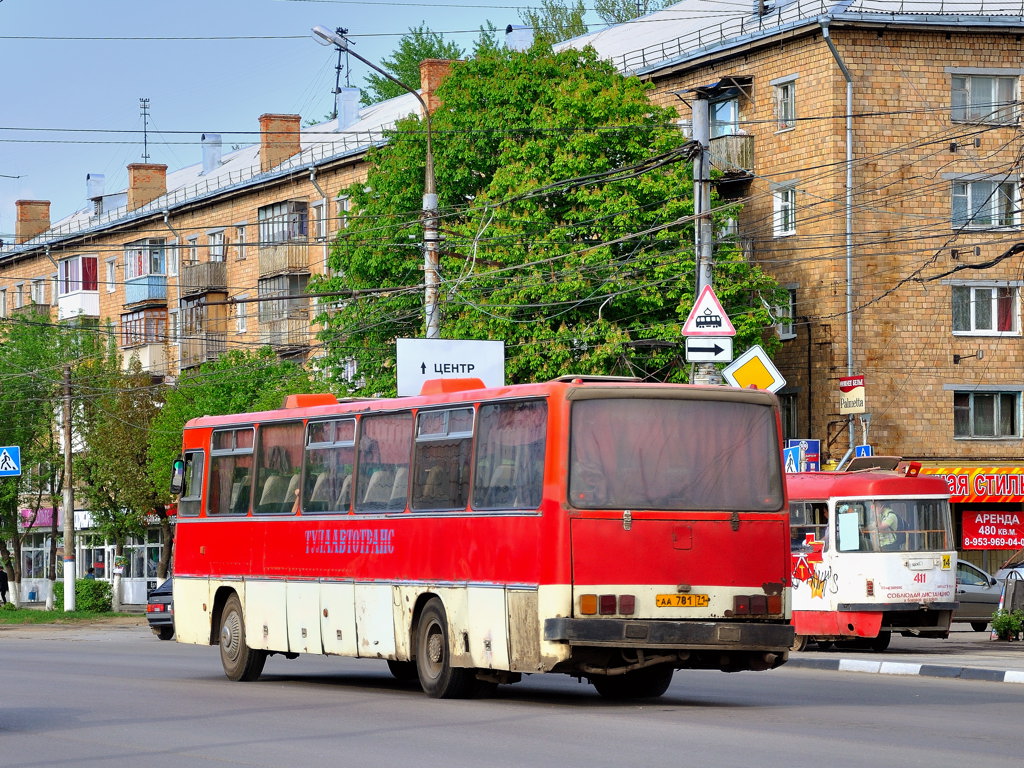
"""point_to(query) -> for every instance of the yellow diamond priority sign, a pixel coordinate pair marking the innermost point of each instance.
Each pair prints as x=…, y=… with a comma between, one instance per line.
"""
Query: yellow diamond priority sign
x=754, y=369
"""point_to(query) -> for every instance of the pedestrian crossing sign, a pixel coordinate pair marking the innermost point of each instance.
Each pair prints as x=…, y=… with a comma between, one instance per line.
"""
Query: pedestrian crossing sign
x=10, y=461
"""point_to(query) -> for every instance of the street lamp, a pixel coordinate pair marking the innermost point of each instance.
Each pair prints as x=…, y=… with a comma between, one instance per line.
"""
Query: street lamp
x=431, y=277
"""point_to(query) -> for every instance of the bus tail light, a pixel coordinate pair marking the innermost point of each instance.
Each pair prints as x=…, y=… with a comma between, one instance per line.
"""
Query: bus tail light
x=741, y=605
x=869, y=587
x=607, y=605
x=588, y=605
x=756, y=605
x=627, y=604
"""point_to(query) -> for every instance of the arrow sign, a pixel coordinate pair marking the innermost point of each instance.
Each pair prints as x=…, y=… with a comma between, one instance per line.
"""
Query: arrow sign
x=706, y=349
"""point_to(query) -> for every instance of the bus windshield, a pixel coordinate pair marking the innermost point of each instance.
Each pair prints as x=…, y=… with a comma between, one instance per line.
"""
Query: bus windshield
x=678, y=454
x=893, y=525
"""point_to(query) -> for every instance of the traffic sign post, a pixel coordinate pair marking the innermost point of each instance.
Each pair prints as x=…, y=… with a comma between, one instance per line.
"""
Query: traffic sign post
x=709, y=349
x=10, y=461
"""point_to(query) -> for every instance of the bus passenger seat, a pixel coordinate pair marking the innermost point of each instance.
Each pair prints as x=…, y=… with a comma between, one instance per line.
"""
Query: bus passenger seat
x=378, y=490
x=500, y=491
x=344, y=497
x=273, y=493
x=289, y=496
x=399, y=488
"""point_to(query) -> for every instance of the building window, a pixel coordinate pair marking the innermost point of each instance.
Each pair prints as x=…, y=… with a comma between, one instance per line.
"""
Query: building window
x=984, y=98
x=240, y=242
x=283, y=222
x=3, y=302
x=241, y=313
x=144, y=257
x=784, y=210
x=320, y=221
x=785, y=105
x=984, y=204
x=342, y=209
x=215, y=245
x=725, y=117
x=147, y=326
x=787, y=412
x=293, y=302
x=191, y=253
x=173, y=333
x=76, y=274
x=785, y=314
x=986, y=310
x=19, y=295
x=986, y=414
x=111, y=271
x=39, y=291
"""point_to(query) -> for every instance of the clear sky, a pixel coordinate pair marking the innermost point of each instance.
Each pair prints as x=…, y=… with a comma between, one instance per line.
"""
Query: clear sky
x=72, y=73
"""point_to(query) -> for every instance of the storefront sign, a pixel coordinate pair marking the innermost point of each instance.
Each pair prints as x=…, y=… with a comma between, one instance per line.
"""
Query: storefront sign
x=993, y=530
x=851, y=394
x=984, y=484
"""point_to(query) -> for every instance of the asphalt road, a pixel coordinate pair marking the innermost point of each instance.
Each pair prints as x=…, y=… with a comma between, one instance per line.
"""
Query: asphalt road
x=115, y=695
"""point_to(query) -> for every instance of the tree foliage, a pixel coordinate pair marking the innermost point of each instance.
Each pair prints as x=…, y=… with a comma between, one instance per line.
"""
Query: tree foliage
x=620, y=11
x=419, y=44
x=566, y=205
x=555, y=20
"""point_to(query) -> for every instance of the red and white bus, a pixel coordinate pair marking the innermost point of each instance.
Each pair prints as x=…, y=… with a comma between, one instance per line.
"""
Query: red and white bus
x=606, y=529
x=872, y=554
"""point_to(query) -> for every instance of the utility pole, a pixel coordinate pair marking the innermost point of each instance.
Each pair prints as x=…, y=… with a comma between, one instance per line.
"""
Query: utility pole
x=706, y=373
x=69, y=500
x=144, y=107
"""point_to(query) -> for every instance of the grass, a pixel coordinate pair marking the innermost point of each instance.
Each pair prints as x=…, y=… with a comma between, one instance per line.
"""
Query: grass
x=11, y=615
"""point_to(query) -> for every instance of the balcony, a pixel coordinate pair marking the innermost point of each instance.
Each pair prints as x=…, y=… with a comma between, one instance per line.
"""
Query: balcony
x=733, y=155
x=287, y=332
x=201, y=348
x=31, y=308
x=283, y=258
x=203, y=278
x=78, y=304
x=152, y=358
x=145, y=288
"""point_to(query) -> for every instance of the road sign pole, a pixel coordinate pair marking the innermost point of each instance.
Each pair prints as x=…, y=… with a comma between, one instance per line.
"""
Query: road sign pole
x=69, y=500
x=706, y=373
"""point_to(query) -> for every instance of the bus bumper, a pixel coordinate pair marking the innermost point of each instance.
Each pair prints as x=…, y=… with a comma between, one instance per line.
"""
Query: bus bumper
x=669, y=635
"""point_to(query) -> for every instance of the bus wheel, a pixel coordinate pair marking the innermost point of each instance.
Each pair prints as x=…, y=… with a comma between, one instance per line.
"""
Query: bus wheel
x=646, y=683
x=164, y=633
x=403, y=670
x=241, y=663
x=979, y=626
x=881, y=642
x=438, y=678
x=800, y=643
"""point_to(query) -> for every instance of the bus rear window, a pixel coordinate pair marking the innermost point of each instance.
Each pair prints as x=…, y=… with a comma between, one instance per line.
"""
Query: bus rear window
x=674, y=454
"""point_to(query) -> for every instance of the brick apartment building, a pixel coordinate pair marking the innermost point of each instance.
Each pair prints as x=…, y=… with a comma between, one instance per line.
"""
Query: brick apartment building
x=876, y=148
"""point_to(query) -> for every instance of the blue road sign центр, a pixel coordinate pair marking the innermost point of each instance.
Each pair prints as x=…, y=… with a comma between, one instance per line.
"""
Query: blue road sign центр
x=10, y=461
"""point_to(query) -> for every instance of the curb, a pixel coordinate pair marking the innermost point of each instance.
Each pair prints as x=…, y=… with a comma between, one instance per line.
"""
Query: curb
x=904, y=668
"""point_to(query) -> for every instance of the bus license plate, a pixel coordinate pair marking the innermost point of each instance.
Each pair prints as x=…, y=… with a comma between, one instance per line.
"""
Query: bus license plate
x=682, y=601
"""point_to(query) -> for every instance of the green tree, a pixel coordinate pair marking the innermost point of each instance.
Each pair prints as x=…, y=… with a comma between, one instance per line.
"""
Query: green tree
x=555, y=20
x=32, y=351
x=619, y=11
x=418, y=44
x=238, y=382
x=566, y=207
x=112, y=420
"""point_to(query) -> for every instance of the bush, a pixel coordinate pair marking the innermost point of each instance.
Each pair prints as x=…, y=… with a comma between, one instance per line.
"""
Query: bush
x=1008, y=624
x=91, y=595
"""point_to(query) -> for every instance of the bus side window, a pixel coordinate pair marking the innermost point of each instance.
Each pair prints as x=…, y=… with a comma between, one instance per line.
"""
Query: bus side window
x=508, y=471
x=230, y=471
x=189, y=502
x=441, y=459
x=384, y=443
x=278, y=465
x=329, y=460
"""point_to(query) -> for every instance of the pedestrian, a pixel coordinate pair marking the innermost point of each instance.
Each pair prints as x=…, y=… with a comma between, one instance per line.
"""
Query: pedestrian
x=91, y=573
x=3, y=585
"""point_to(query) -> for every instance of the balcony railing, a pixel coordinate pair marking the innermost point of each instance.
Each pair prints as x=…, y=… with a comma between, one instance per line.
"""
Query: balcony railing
x=202, y=348
x=289, y=332
x=733, y=155
x=203, y=278
x=145, y=288
x=283, y=258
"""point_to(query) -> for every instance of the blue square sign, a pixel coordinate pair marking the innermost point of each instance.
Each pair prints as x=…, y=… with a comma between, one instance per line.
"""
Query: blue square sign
x=10, y=461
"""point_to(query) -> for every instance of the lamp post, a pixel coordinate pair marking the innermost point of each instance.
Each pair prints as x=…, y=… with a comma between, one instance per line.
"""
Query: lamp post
x=431, y=277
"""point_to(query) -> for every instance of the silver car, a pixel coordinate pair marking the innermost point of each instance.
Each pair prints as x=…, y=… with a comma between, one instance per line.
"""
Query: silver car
x=978, y=594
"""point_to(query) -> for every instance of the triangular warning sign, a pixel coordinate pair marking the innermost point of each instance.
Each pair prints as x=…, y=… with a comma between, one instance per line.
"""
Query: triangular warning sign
x=707, y=318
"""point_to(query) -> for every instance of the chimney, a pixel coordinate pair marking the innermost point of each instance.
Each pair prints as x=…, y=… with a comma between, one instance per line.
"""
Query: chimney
x=146, y=182
x=518, y=37
x=211, y=152
x=279, y=139
x=33, y=219
x=346, y=101
x=432, y=74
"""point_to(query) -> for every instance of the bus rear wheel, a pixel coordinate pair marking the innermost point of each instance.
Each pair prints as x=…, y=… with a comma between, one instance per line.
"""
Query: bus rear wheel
x=646, y=683
x=241, y=663
x=403, y=670
x=438, y=678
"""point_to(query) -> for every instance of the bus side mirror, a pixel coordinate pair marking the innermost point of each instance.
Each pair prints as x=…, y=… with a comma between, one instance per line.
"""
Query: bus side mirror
x=178, y=477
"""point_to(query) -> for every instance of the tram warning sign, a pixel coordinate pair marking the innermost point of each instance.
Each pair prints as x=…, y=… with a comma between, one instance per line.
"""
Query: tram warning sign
x=708, y=318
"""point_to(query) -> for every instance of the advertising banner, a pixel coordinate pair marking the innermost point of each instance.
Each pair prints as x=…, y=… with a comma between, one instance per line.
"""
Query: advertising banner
x=851, y=394
x=981, y=484
x=993, y=530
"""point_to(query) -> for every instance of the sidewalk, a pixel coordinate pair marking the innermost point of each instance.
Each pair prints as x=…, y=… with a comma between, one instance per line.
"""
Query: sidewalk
x=965, y=654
